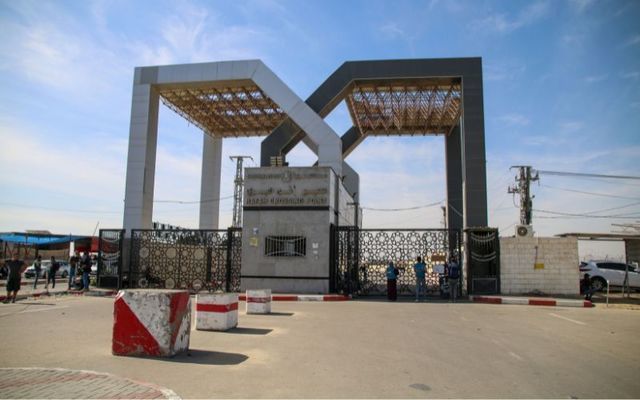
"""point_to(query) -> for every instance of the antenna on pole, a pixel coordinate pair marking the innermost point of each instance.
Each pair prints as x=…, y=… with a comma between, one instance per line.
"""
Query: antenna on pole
x=522, y=188
x=237, y=192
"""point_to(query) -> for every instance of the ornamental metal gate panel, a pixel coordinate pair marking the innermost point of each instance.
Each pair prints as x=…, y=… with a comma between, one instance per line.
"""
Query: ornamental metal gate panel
x=109, y=257
x=483, y=247
x=186, y=259
x=361, y=256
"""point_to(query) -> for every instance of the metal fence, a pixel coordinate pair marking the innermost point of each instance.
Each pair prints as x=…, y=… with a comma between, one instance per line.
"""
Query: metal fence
x=186, y=259
x=361, y=256
x=483, y=246
x=110, y=245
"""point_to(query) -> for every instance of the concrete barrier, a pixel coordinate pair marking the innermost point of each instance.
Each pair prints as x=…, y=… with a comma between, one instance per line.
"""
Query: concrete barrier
x=216, y=312
x=151, y=322
x=259, y=301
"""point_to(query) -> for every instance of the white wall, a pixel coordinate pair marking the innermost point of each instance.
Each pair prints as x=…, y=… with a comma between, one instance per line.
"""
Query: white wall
x=560, y=274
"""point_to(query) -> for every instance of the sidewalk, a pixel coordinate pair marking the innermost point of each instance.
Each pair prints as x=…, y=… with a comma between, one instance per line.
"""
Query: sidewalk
x=27, y=291
x=58, y=383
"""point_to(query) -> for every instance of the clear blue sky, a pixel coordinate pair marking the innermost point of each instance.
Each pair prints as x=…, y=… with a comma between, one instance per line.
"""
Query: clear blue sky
x=561, y=82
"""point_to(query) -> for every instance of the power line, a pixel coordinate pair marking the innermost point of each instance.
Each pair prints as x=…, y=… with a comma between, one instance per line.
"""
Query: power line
x=403, y=209
x=587, y=215
x=60, y=209
x=562, y=173
x=591, y=193
x=193, y=202
x=613, y=208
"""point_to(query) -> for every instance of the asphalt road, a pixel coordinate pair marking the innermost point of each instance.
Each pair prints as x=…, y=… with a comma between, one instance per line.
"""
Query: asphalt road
x=357, y=349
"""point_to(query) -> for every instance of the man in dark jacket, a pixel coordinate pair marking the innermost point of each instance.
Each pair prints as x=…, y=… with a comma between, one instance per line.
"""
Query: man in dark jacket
x=16, y=268
x=86, y=269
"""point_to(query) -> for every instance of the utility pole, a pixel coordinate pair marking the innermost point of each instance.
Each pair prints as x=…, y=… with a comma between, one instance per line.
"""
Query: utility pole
x=237, y=192
x=523, y=180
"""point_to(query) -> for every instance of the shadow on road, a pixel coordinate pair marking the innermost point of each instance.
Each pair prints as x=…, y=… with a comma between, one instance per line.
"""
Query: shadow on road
x=249, y=331
x=195, y=356
x=277, y=314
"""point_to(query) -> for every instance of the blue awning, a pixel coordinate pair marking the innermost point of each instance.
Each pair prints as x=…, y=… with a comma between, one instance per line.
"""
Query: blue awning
x=38, y=240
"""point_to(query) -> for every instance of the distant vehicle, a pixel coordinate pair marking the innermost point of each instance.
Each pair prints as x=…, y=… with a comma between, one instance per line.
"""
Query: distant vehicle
x=62, y=272
x=602, y=271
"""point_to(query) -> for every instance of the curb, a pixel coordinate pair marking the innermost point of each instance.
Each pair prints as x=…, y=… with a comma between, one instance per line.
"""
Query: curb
x=531, y=302
x=304, y=297
x=95, y=293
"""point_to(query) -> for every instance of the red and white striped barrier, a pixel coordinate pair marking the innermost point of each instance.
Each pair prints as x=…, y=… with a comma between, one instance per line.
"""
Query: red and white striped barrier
x=531, y=302
x=258, y=301
x=151, y=322
x=305, y=297
x=216, y=312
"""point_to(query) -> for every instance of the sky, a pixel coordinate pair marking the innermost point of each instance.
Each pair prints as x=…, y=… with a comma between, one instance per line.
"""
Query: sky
x=561, y=93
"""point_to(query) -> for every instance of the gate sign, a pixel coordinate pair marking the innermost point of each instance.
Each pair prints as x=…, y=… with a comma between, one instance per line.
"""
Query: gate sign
x=287, y=187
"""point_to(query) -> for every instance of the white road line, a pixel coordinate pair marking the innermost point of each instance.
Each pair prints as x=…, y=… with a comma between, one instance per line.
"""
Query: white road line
x=43, y=309
x=514, y=355
x=567, y=319
x=511, y=353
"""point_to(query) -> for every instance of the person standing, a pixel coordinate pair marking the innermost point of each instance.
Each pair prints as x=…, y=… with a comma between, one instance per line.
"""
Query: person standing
x=392, y=276
x=586, y=288
x=73, y=264
x=51, y=274
x=454, y=277
x=37, y=266
x=16, y=268
x=420, y=270
x=86, y=269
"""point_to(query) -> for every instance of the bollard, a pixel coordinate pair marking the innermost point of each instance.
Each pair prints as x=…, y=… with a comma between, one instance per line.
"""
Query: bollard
x=216, y=312
x=151, y=322
x=259, y=301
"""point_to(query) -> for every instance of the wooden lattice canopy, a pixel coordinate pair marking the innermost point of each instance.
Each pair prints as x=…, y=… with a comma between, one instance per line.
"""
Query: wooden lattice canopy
x=405, y=107
x=227, y=111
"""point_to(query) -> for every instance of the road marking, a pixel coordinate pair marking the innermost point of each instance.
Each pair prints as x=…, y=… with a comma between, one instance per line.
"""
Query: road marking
x=514, y=355
x=567, y=319
x=43, y=309
x=511, y=353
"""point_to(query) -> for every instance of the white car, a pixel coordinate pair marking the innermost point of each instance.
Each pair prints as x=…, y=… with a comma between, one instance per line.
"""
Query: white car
x=62, y=272
x=602, y=271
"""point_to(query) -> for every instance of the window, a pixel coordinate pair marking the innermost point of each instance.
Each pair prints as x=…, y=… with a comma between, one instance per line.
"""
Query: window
x=285, y=246
x=613, y=266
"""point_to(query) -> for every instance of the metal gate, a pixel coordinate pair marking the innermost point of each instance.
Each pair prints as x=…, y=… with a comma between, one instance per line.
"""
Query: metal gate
x=483, y=246
x=109, y=257
x=186, y=259
x=361, y=256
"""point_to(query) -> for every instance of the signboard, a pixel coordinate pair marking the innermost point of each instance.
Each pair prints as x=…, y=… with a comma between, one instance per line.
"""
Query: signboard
x=286, y=187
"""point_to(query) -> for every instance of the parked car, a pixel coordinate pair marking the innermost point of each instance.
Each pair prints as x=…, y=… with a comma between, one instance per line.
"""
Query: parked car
x=603, y=271
x=62, y=272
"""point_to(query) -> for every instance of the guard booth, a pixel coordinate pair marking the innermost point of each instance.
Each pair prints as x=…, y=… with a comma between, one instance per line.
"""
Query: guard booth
x=287, y=218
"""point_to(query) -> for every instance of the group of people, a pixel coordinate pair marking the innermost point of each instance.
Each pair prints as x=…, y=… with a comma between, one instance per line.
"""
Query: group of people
x=451, y=275
x=77, y=264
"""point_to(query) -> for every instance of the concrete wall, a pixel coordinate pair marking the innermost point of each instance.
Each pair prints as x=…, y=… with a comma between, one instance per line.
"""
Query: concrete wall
x=632, y=250
x=557, y=271
x=344, y=207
